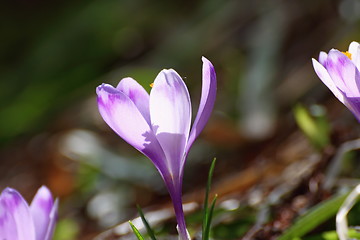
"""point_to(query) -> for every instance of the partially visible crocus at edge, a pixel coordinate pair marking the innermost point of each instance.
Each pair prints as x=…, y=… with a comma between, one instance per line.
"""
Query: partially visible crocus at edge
x=20, y=221
x=339, y=71
x=158, y=124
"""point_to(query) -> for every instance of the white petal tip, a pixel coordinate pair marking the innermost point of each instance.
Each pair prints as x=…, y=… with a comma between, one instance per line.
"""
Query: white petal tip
x=315, y=62
x=44, y=192
x=205, y=60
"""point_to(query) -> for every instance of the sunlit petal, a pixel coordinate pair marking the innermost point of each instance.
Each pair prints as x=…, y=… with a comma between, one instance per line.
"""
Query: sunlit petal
x=170, y=111
x=137, y=94
x=7, y=223
x=343, y=72
x=16, y=207
x=326, y=79
x=122, y=115
x=40, y=209
x=322, y=58
x=208, y=95
x=354, y=50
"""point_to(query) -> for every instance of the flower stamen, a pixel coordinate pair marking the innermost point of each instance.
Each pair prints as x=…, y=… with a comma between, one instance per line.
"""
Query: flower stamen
x=347, y=54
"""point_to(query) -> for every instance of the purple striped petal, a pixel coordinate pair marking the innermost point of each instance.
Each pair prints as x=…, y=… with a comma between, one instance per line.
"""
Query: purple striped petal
x=170, y=111
x=17, y=213
x=326, y=79
x=343, y=72
x=40, y=209
x=7, y=223
x=52, y=221
x=353, y=103
x=123, y=116
x=137, y=94
x=322, y=58
x=208, y=95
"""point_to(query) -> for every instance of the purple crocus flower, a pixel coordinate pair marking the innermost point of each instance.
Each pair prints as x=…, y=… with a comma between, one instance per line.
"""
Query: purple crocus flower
x=339, y=71
x=158, y=125
x=19, y=221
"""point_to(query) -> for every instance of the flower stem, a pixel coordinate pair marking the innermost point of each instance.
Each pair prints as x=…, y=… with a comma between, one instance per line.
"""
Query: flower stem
x=180, y=218
x=176, y=197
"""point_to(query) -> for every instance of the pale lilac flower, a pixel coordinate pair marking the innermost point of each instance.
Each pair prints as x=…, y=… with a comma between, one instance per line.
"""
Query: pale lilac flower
x=19, y=221
x=339, y=71
x=158, y=125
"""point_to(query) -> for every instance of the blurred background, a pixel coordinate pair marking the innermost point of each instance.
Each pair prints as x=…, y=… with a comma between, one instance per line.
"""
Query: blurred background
x=53, y=54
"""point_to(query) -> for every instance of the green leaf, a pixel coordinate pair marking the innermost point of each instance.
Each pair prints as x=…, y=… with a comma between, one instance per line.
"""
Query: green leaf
x=208, y=213
x=136, y=231
x=314, y=217
x=66, y=229
x=332, y=235
x=206, y=232
x=147, y=225
x=313, y=124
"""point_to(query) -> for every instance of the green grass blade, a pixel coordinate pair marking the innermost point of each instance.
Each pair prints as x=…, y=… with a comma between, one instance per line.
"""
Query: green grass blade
x=206, y=233
x=207, y=191
x=146, y=224
x=136, y=231
x=314, y=217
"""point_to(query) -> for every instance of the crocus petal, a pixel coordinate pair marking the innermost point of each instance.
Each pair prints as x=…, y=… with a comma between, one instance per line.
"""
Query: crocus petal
x=7, y=223
x=343, y=72
x=322, y=58
x=326, y=79
x=40, y=209
x=17, y=207
x=353, y=103
x=52, y=221
x=354, y=50
x=170, y=111
x=208, y=95
x=122, y=115
x=137, y=94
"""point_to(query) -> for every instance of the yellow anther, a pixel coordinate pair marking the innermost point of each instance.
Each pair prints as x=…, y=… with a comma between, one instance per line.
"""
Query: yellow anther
x=347, y=54
x=151, y=84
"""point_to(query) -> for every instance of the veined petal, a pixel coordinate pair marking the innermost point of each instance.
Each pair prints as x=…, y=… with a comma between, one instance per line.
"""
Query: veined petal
x=52, y=221
x=137, y=94
x=322, y=58
x=208, y=95
x=7, y=223
x=353, y=103
x=354, y=50
x=326, y=79
x=343, y=72
x=18, y=209
x=122, y=115
x=40, y=209
x=170, y=112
